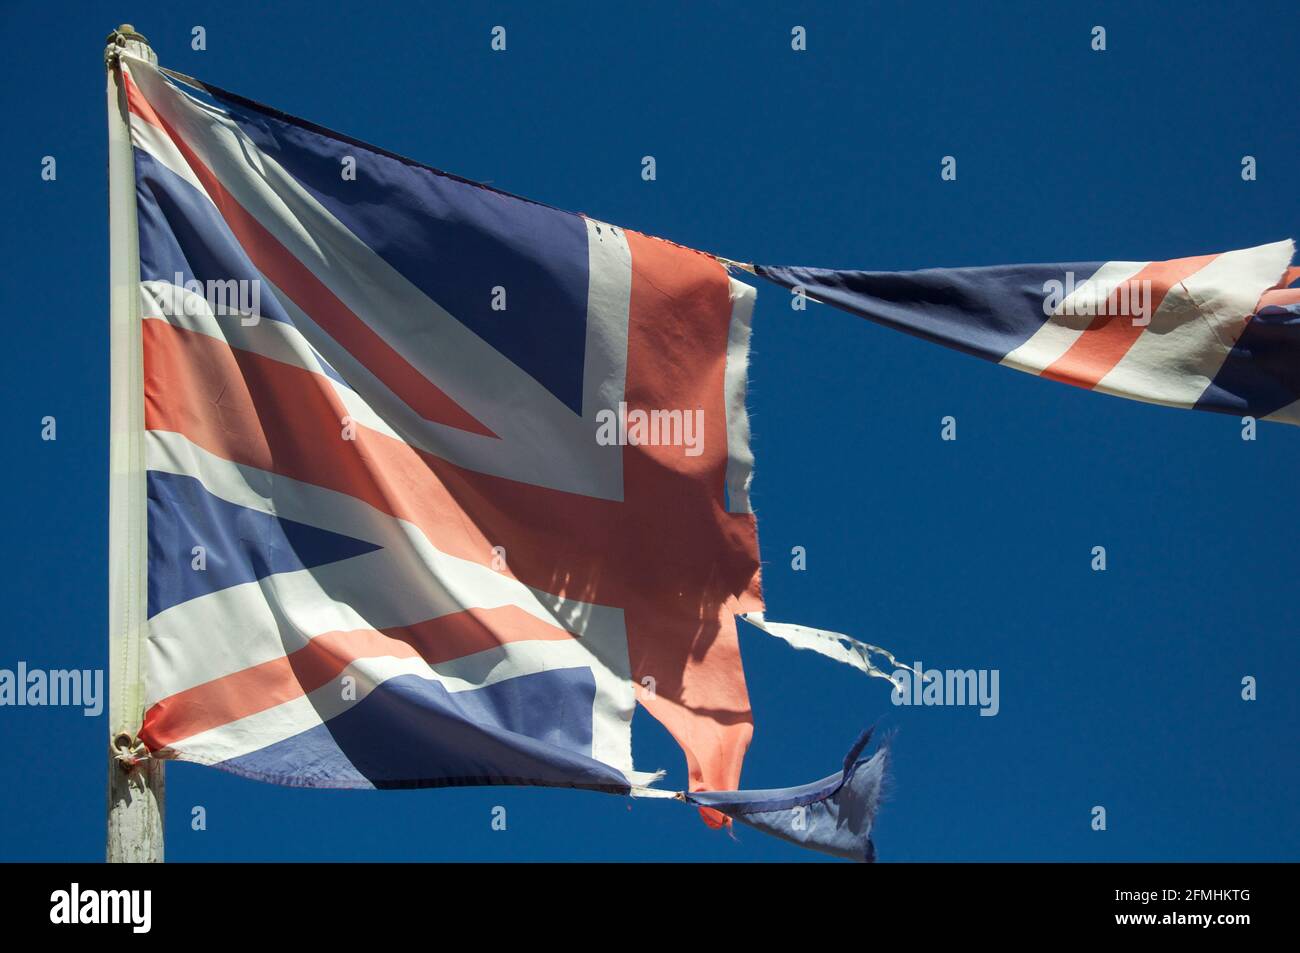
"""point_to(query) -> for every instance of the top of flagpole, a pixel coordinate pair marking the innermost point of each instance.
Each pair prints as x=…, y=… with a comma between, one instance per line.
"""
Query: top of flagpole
x=125, y=38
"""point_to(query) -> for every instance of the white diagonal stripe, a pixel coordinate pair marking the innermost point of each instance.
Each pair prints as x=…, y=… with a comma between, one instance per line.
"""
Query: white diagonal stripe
x=1191, y=333
x=1058, y=333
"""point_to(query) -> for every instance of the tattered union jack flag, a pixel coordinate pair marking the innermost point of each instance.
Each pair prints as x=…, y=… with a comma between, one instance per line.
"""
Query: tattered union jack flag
x=441, y=482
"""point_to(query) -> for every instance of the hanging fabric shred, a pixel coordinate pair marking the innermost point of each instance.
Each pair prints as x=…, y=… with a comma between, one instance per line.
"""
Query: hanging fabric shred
x=834, y=815
x=834, y=645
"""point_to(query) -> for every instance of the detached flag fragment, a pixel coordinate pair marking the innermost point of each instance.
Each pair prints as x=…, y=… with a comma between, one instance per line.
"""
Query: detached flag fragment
x=1214, y=332
x=387, y=544
x=833, y=815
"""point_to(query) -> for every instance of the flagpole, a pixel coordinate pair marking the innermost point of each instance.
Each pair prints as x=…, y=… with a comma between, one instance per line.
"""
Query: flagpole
x=135, y=781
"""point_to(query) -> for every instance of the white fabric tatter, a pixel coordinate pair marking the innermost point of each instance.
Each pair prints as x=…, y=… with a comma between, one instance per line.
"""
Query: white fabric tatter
x=835, y=645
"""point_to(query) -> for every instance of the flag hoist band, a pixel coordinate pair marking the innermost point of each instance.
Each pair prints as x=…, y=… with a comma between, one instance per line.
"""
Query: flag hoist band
x=135, y=786
x=366, y=531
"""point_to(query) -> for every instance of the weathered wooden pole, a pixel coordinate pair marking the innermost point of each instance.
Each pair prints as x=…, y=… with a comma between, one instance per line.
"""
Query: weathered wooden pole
x=135, y=783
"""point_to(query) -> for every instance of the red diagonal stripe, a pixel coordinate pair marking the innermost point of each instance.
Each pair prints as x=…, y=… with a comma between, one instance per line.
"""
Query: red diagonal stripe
x=283, y=679
x=297, y=281
x=1109, y=337
x=263, y=413
x=1278, y=298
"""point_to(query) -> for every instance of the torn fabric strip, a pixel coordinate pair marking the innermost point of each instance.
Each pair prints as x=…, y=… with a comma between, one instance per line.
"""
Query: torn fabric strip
x=1217, y=332
x=834, y=815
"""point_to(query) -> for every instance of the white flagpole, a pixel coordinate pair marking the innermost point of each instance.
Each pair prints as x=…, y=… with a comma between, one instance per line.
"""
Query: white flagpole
x=135, y=788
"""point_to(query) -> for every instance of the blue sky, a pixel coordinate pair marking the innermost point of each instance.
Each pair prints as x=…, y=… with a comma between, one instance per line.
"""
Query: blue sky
x=1119, y=689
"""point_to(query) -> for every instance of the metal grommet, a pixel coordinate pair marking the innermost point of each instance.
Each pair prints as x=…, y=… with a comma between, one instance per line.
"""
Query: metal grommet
x=128, y=750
